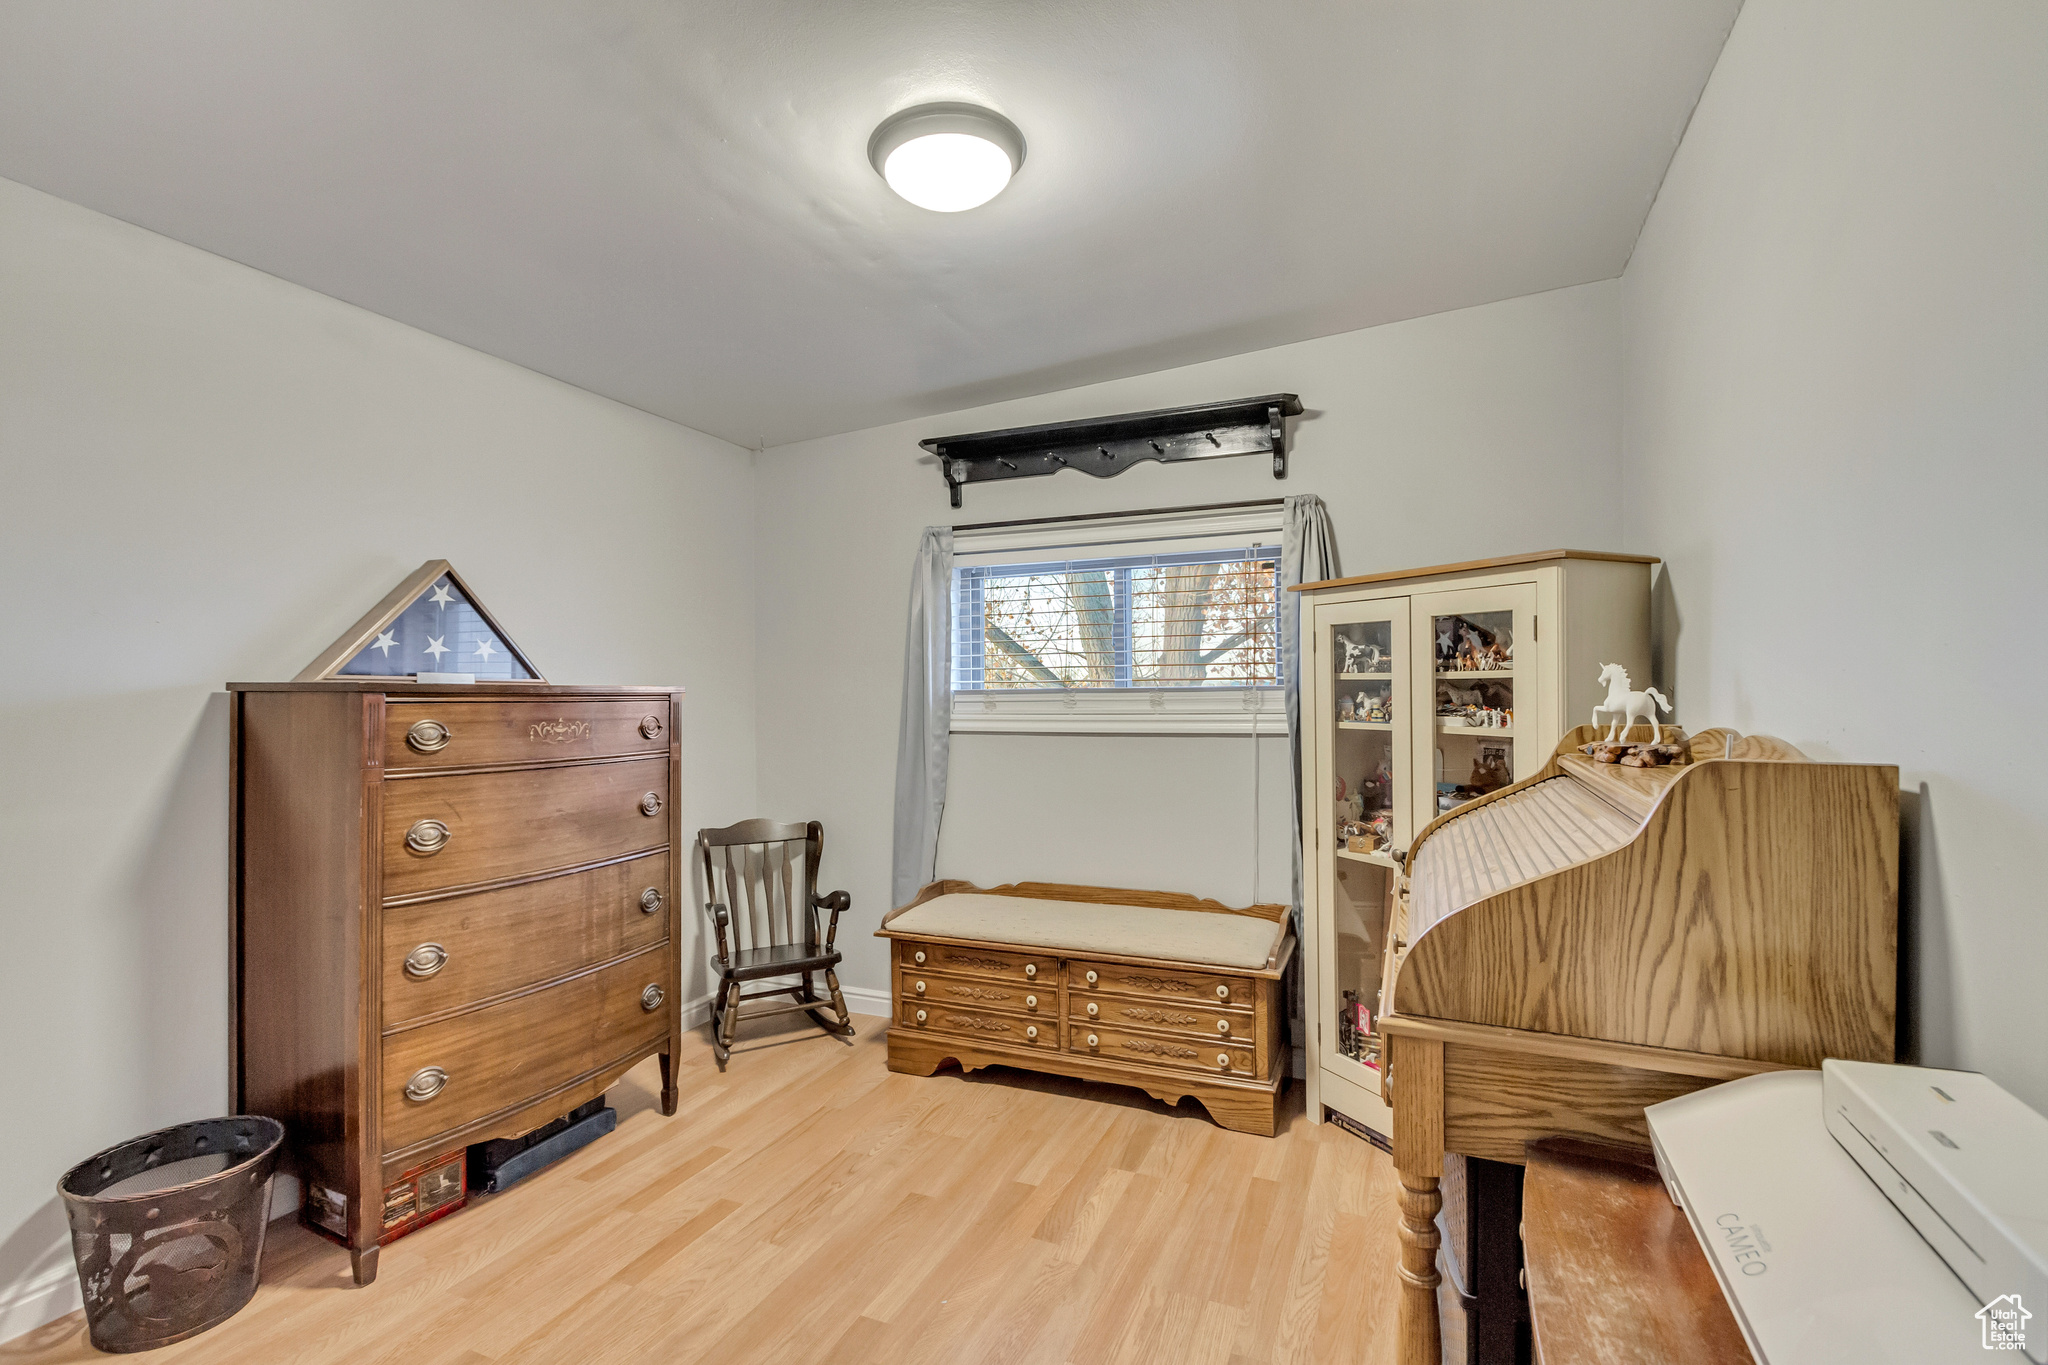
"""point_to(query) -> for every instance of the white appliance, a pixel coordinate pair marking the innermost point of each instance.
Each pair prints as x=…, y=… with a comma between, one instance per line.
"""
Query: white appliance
x=1817, y=1266
x=1966, y=1163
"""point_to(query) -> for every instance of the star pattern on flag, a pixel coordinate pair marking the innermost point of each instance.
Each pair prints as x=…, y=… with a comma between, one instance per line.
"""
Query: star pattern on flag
x=436, y=648
x=385, y=642
x=441, y=597
x=484, y=650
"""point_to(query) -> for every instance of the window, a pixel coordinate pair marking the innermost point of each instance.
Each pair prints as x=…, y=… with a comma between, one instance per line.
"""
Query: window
x=1174, y=631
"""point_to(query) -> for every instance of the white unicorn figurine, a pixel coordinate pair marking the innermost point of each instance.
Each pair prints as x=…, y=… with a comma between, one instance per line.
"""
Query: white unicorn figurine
x=1622, y=704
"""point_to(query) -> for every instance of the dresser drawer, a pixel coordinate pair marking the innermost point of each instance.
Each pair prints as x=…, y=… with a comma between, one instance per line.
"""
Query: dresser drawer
x=1166, y=983
x=1023, y=968
x=987, y=1026
x=446, y=733
x=1115, y=1044
x=505, y=824
x=966, y=992
x=442, y=954
x=505, y=1054
x=1192, y=1022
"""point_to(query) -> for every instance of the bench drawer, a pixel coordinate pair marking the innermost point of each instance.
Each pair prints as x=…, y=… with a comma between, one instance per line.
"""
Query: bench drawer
x=1160, y=983
x=1193, y=1022
x=453, y=733
x=952, y=959
x=1120, y=1045
x=979, y=993
x=983, y=1026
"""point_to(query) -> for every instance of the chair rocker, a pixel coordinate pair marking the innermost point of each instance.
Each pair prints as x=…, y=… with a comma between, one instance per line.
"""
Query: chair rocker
x=767, y=928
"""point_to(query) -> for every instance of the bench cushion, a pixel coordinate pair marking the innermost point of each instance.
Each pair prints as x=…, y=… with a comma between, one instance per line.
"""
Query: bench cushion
x=1083, y=927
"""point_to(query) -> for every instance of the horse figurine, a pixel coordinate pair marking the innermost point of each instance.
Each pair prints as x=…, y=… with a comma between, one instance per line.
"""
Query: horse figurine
x=1622, y=704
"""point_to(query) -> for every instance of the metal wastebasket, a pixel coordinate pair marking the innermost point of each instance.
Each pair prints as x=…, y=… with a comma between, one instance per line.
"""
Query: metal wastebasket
x=159, y=1264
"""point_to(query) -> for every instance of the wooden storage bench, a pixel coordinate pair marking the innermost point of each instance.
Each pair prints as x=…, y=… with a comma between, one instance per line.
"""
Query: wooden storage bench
x=1170, y=993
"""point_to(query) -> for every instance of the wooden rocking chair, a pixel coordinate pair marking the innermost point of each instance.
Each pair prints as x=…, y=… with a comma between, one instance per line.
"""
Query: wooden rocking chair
x=766, y=928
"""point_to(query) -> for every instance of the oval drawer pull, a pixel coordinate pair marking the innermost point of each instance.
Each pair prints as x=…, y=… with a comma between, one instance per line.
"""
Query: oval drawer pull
x=651, y=899
x=920, y=1016
x=1030, y=1002
x=1091, y=978
x=1223, y=1060
x=428, y=736
x=423, y=961
x=1223, y=992
x=650, y=804
x=1093, y=1009
x=920, y=988
x=1031, y=1031
x=651, y=998
x=1031, y=969
x=427, y=836
x=426, y=1083
x=651, y=727
x=1092, y=1040
x=919, y=957
x=1223, y=1026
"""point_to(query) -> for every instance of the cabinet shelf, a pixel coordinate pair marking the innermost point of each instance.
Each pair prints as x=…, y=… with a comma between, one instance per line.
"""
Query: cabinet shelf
x=1477, y=731
x=1365, y=677
x=1483, y=675
x=1381, y=725
x=1376, y=859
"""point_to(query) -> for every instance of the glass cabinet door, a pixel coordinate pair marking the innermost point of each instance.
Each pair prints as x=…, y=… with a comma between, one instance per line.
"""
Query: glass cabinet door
x=1364, y=698
x=1476, y=661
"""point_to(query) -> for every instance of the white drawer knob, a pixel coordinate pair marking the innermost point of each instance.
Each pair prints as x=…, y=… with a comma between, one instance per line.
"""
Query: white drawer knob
x=1030, y=1002
x=1223, y=1026
x=1031, y=1032
x=920, y=1016
x=1091, y=978
x=1091, y=1040
x=920, y=988
x=1223, y=1060
x=1223, y=992
x=1093, y=1009
x=918, y=956
x=1031, y=969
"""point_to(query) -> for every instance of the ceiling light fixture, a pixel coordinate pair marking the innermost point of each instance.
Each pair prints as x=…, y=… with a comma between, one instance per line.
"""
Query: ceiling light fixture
x=947, y=157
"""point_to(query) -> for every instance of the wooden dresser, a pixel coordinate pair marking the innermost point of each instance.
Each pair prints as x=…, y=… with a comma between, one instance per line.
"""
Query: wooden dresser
x=452, y=919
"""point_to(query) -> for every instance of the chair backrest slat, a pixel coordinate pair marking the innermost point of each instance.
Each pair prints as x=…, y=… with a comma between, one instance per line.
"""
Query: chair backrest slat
x=751, y=869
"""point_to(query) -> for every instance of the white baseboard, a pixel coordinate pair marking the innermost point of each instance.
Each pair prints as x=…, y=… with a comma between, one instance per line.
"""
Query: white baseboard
x=41, y=1298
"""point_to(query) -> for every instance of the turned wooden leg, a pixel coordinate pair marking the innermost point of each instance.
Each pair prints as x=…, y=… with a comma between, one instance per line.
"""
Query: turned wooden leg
x=1421, y=1331
x=363, y=1264
x=670, y=1095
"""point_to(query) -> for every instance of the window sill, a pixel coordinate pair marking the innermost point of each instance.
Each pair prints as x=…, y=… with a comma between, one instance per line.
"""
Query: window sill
x=1256, y=711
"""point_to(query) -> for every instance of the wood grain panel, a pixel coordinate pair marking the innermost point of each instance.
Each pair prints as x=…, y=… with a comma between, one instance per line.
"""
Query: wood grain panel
x=498, y=941
x=502, y=824
x=1754, y=916
x=504, y=731
x=1032, y=1033
x=1615, y=1274
x=1495, y=1103
x=500, y=1056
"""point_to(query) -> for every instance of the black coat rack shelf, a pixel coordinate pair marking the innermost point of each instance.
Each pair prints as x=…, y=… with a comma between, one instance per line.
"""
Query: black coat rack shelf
x=1107, y=446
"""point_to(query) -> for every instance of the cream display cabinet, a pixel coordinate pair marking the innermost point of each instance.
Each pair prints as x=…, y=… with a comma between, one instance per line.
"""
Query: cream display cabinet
x=1423, y=689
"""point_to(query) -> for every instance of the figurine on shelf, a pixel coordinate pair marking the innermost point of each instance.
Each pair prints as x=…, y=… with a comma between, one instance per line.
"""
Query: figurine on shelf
x=1623, y=705
x=1346, y=710
x=1347, y=1026
x=1490, y=770
x=1375, y=660
x=1381, y=828
x=1446, y=643
x=1379, y=710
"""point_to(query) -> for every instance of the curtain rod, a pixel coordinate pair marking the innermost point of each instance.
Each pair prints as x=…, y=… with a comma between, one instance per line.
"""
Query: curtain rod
x=1107, y=516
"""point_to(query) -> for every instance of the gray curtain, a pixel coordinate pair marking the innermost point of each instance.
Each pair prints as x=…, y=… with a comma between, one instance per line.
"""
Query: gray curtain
x=1308, y=552
x=923, y=734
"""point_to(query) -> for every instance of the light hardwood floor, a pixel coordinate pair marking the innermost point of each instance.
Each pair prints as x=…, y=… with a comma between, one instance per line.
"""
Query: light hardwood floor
x=809, y=1205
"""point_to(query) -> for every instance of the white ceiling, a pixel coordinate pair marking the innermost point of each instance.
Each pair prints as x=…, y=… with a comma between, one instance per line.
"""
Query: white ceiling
x=669, y=202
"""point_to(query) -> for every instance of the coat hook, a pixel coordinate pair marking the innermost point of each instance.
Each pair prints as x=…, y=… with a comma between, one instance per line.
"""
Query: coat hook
x=1212, y=439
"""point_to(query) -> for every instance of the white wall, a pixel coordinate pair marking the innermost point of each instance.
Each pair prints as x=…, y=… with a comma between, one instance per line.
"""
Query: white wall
x=1481, y=432
x=207, y=474
x=1837, y=416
